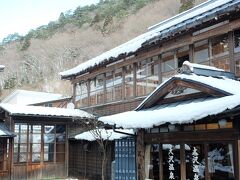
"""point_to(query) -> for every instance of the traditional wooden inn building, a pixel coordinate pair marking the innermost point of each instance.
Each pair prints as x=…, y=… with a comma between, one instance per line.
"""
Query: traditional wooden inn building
x=188, y=128
x=34, y=140
x=120, y=79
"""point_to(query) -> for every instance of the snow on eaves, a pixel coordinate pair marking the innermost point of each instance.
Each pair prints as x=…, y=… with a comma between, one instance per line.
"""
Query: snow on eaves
x=14, y=109
x=136, y=43
x=186, y=113
x=105, y=134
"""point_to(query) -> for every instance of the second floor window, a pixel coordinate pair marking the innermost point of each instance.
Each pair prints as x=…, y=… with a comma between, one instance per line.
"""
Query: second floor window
x=201, y=51
x=147, y=76
x=114, y=85
x=97, y=90
x=220, y=45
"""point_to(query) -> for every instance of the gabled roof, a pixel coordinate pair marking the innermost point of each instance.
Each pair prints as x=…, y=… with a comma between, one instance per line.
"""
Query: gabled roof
x=21, y=110
x=189, y=19
x=225, y=95
x=25, y=97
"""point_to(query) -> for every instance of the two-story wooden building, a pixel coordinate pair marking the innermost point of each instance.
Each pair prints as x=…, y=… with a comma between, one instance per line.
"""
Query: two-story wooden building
x=119, y=79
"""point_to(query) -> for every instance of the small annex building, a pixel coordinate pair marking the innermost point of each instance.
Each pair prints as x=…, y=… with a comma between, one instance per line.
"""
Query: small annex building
x=188, y=128
x=34, y=140
x=116, y=143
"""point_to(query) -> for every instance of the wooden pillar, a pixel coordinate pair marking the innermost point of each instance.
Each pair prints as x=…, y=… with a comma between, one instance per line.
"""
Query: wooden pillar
x=231, y=51
x=123, y=82
x=134, y=80
x=175, y=60
x=160, y=69
x=210, y=51
x=11, y=151
x=74, y=94
x=160, y=162
x=182, y=161
x=88, y=92
x=140, y=155
x=206, y=161
x=67, y=149
x=105, y=87
x=191, y=53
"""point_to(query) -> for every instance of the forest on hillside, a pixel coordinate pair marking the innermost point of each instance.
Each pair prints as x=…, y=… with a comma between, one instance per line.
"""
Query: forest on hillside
x=33, y=61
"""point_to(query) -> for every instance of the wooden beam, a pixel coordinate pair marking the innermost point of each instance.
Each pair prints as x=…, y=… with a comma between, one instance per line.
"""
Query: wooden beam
x=231, y=51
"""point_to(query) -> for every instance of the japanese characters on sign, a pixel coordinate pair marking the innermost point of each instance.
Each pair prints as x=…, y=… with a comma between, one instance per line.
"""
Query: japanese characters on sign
x=195, y=163
x=171, y=163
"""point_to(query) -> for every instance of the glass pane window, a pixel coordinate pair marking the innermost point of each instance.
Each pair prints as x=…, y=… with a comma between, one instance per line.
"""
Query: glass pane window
x=201, y=51
x=118, y=78
x=60, y=133
x=147, y=76
x=114, y=85
x=81, y=94
x=182, y=55
x=168, y=63
x=220, y=45
x=220, y=161
x=237, y=40
x=20, y=143
x=96, y=90
x=129, y=81
x=35, y=142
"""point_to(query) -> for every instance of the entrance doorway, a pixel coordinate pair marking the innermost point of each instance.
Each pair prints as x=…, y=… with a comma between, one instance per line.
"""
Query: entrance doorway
x=190, y=161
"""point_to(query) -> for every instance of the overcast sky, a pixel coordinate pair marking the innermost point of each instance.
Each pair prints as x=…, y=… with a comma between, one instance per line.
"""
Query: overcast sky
x=22, y=15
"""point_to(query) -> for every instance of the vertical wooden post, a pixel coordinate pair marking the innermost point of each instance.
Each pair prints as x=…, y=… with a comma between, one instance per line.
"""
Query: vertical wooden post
x=160, y=69
x=105, y=87
x=42, y=149
x=191, y=53
x=88, y=92
x=74, y=94
x=134, y=79
x=206, y=161
x=175, y=60
x=123, y=82
x=182, y=161
x=10, y=161
x=210, y=50
x=67, y=149
x=140, y=155
x=160, y=162
x=231, y=51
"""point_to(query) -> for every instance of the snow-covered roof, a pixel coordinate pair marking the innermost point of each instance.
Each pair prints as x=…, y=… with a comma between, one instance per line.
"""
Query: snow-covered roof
x=25, y=97
x=189, y=19
x=15, y=110
x=105, y=134
x=184, y=111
